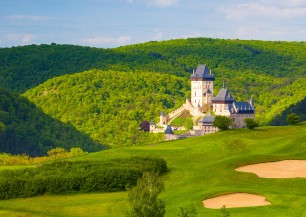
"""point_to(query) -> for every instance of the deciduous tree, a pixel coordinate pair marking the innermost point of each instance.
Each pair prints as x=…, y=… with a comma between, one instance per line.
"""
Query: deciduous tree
x=222, y=122
x=143, y=197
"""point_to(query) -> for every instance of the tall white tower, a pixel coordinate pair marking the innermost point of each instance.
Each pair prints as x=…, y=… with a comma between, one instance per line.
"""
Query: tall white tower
x=202, y=86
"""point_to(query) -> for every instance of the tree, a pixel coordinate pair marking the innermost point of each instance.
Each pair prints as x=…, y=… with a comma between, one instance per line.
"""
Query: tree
x=187, y=212
x=188, y=124
x=143, y=197
x=222, y=122
x=293, y=119
x=2, y=127
x=145, y=126
x=251, y=123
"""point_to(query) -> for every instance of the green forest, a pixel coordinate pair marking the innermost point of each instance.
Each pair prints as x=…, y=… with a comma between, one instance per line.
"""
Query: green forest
x=116, y=89
x=26, y=129
x=109, y=105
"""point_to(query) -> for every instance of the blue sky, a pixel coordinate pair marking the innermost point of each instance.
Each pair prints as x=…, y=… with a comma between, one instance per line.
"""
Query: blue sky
x=112, y=23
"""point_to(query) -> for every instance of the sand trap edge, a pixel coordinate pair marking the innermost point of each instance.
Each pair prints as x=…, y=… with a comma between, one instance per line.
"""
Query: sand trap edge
x=235, y=200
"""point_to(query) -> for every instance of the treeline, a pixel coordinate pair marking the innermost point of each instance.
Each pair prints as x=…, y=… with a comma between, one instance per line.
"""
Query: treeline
x=67, y=177
x=26, y=129
x=110, y=105
x=25, y=67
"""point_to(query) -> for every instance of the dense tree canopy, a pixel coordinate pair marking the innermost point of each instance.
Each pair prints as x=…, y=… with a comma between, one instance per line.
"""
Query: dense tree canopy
x=25, y=129
x=111, y=105
x=272, y=72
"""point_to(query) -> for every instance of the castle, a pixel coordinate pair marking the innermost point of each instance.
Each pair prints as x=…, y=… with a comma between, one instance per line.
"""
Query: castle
x=202, y=100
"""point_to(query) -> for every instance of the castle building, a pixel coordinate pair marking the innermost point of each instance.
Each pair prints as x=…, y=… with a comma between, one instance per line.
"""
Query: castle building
x=169, y=135
x=163, y=118
x=205, y=124
x=202, y=87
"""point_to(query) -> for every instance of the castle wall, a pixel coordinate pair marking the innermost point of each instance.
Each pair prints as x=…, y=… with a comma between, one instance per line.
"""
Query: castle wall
x=169, y=137
x=221, y=109
x=238, y=119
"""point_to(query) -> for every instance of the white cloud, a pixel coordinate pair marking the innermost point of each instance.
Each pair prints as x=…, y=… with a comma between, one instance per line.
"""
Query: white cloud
x=21, y=38
x=192, y=35
x=99, y=41
x=29, y=17
x=163, y=3
x=280, y=9
x=158, y=34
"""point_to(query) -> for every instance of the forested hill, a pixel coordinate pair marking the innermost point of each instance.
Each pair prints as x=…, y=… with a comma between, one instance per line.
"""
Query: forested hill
x=25, y=129
x=110, y=105
x=272, y=72
x=22, y=68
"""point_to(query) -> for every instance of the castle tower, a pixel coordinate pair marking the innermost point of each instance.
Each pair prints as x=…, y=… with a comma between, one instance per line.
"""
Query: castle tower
x=202, y=87
x=152, y=126
x=163, y=118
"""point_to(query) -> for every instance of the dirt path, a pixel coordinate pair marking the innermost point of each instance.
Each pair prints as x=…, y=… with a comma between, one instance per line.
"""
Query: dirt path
x=280, y=169
x=236, y=200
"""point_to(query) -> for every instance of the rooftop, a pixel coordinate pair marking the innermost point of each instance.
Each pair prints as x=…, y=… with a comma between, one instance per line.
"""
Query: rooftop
x=203, y=72
x=207, y=118
x=169, y=130
x=224, y=95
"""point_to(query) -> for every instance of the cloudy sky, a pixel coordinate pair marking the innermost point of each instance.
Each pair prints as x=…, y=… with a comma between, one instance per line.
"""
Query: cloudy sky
x=112, y=23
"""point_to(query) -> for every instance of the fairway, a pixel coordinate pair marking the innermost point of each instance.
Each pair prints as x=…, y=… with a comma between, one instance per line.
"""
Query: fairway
x=199, y=168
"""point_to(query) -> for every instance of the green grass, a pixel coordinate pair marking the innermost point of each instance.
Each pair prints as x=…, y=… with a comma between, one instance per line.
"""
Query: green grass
x=199, y=168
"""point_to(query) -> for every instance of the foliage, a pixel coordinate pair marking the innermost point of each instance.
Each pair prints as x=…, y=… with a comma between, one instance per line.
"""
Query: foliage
x=293, y=119
x=298, y=109
x=143, y=197
x=272, y=72
x=110, y=105
x=10, y=160
x=65, y=177
x=251, y=123
x=145, y=126
x=27, y=130
x=222, y=122
x=187, y=212
x=188, y=124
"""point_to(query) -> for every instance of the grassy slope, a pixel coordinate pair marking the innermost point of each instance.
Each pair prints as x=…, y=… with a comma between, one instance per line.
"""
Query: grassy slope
x=200, y=167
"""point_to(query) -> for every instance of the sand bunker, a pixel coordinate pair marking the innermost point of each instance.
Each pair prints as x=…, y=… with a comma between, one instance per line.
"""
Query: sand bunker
x=280, y=169
x=236, y=200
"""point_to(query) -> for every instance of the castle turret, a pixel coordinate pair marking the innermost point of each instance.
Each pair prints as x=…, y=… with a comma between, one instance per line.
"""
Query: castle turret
x=163, y=118
x=152, y=126
x=202, y=86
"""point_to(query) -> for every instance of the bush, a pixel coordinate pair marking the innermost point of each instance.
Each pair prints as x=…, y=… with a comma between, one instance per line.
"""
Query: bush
x=222, y=122
x=251, y=123
x=293, y=119
x=66, y=177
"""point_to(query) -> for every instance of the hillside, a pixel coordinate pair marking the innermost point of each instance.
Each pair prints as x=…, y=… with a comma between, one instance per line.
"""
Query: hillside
x=110, y=105
x=199, y=168
x=26, y=129
x=268, y=71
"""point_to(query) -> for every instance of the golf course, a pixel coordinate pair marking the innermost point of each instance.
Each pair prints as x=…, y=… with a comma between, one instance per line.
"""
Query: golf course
x=199, y=168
